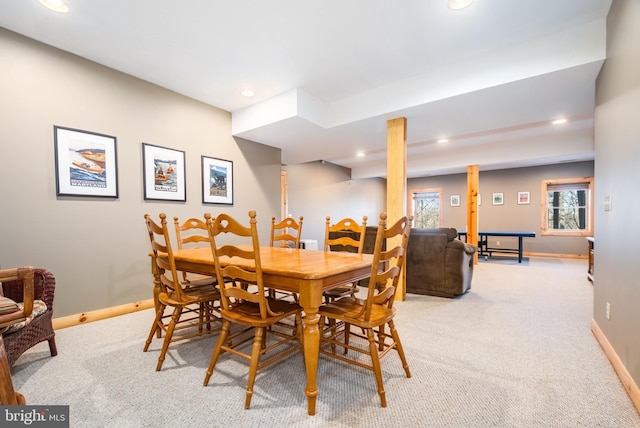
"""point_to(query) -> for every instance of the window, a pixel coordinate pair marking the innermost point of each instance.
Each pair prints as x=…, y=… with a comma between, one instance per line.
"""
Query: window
x=568, y=207
x=426, y=207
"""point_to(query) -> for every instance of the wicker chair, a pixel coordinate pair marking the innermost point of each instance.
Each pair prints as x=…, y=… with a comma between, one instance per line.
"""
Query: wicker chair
x=22, y=337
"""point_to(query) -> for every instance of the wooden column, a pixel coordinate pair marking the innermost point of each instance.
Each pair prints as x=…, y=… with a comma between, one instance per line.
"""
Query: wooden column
x=472, y=207
x=397, y=182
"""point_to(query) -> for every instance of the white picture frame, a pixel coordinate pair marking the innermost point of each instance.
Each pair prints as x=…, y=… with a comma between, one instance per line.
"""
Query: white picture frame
x=498, y=198
x=523, y=198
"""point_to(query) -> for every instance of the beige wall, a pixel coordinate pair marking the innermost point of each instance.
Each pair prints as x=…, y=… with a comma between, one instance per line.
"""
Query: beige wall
x=318, y=190
x=617, y=134
x=510, y=216
x=97, y=248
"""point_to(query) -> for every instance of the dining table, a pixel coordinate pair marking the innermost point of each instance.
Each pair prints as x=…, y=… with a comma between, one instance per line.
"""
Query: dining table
x=306, y=272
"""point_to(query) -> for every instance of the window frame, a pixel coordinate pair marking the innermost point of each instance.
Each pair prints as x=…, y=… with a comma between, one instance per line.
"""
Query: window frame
x=588, y=231
x=411, y=204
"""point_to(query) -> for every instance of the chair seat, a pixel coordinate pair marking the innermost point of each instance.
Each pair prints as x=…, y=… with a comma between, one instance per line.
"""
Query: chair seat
x=8, y=306
x=194, y=281
x=248, y=313
x=342, y=291
x=351, y=310
x=39, y=308
x=191, y=296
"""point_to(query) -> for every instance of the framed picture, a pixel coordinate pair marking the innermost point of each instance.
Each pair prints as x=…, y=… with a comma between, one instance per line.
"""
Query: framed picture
x=86, y=163
x=498, y=199
x=217, y=181
x=164, y=175
x=455, y=200
x=523, y=198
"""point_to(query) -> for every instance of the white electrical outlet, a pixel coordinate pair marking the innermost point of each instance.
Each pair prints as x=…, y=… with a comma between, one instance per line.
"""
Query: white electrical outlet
x=608, y=311
x=498, y=243
x=607, y=203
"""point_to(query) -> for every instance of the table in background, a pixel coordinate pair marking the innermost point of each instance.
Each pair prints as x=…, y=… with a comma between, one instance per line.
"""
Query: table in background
x=306, y=272
x=483, y=242
x=591, y=241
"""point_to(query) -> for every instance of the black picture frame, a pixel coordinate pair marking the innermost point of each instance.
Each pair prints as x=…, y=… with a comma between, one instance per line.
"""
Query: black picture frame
x=164, y=173
x=86, y=163
x=217, y=181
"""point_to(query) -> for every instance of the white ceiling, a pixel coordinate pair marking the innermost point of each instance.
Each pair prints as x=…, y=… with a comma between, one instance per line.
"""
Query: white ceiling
x=329, y=74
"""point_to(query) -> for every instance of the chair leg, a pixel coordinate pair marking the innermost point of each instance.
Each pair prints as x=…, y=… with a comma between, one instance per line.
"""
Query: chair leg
x=396, y=339
x=300, y=329
x=201, y=309
x=224, y=333
x=253, y=368
x=155, y=327
x=375, y=360
x=347, y=331
x=167, y=338
x=381, y=336
x=53, y=349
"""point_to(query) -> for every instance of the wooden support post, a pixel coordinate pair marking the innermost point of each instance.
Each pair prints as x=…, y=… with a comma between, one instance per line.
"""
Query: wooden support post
x=472, y=207
x=397, y=182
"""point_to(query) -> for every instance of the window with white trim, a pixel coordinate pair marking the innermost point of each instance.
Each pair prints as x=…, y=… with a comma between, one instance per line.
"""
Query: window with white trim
x=425, y=207
x=567, y=207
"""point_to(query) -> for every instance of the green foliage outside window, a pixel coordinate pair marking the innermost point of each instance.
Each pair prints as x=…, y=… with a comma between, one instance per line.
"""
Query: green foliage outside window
x=426, y=209
x=567, y=209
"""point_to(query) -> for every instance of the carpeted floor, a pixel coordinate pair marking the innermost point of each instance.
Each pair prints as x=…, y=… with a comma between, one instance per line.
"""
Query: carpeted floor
x=516, y=351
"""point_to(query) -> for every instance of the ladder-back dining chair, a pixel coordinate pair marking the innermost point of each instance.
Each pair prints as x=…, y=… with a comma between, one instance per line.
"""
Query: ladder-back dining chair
x=345, y=235
x=376, y=311
x=192, y=233
x=255, y=310
x=286, y=233
x=193, y=309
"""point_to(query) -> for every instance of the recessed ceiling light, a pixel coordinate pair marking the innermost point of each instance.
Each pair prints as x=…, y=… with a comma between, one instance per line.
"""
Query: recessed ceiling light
x=559, y=121
x=459, y=4
x=360, y=154
x=56, y=5
x=247, y=93
x=443, y=140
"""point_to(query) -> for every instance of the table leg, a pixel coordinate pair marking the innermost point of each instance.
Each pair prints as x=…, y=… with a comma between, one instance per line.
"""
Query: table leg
x=311, y=351
x=519, y=249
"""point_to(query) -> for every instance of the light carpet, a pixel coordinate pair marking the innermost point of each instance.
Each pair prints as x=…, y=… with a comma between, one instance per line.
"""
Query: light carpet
x=516, y=351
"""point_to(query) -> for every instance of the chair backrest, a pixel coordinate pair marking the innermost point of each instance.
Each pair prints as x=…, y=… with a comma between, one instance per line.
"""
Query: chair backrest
x=164, y=267
x=244, y=254
x=387, y=264
x=347, y=235
x=25, y=275
x=286, y=233
x=192, y=231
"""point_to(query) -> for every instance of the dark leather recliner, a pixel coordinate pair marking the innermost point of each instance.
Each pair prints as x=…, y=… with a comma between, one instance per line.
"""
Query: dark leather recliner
x=438, y=263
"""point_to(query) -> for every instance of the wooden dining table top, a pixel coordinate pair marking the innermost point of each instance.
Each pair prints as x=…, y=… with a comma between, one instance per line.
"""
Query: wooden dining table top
x=287, y=262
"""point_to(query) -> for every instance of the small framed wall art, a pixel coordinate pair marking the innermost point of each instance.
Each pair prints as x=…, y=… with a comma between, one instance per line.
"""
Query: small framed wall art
x=498, y=199
x=523, y=198
x=455, y=200
x=217, y=181
x=163, y=171
x=86, y=163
